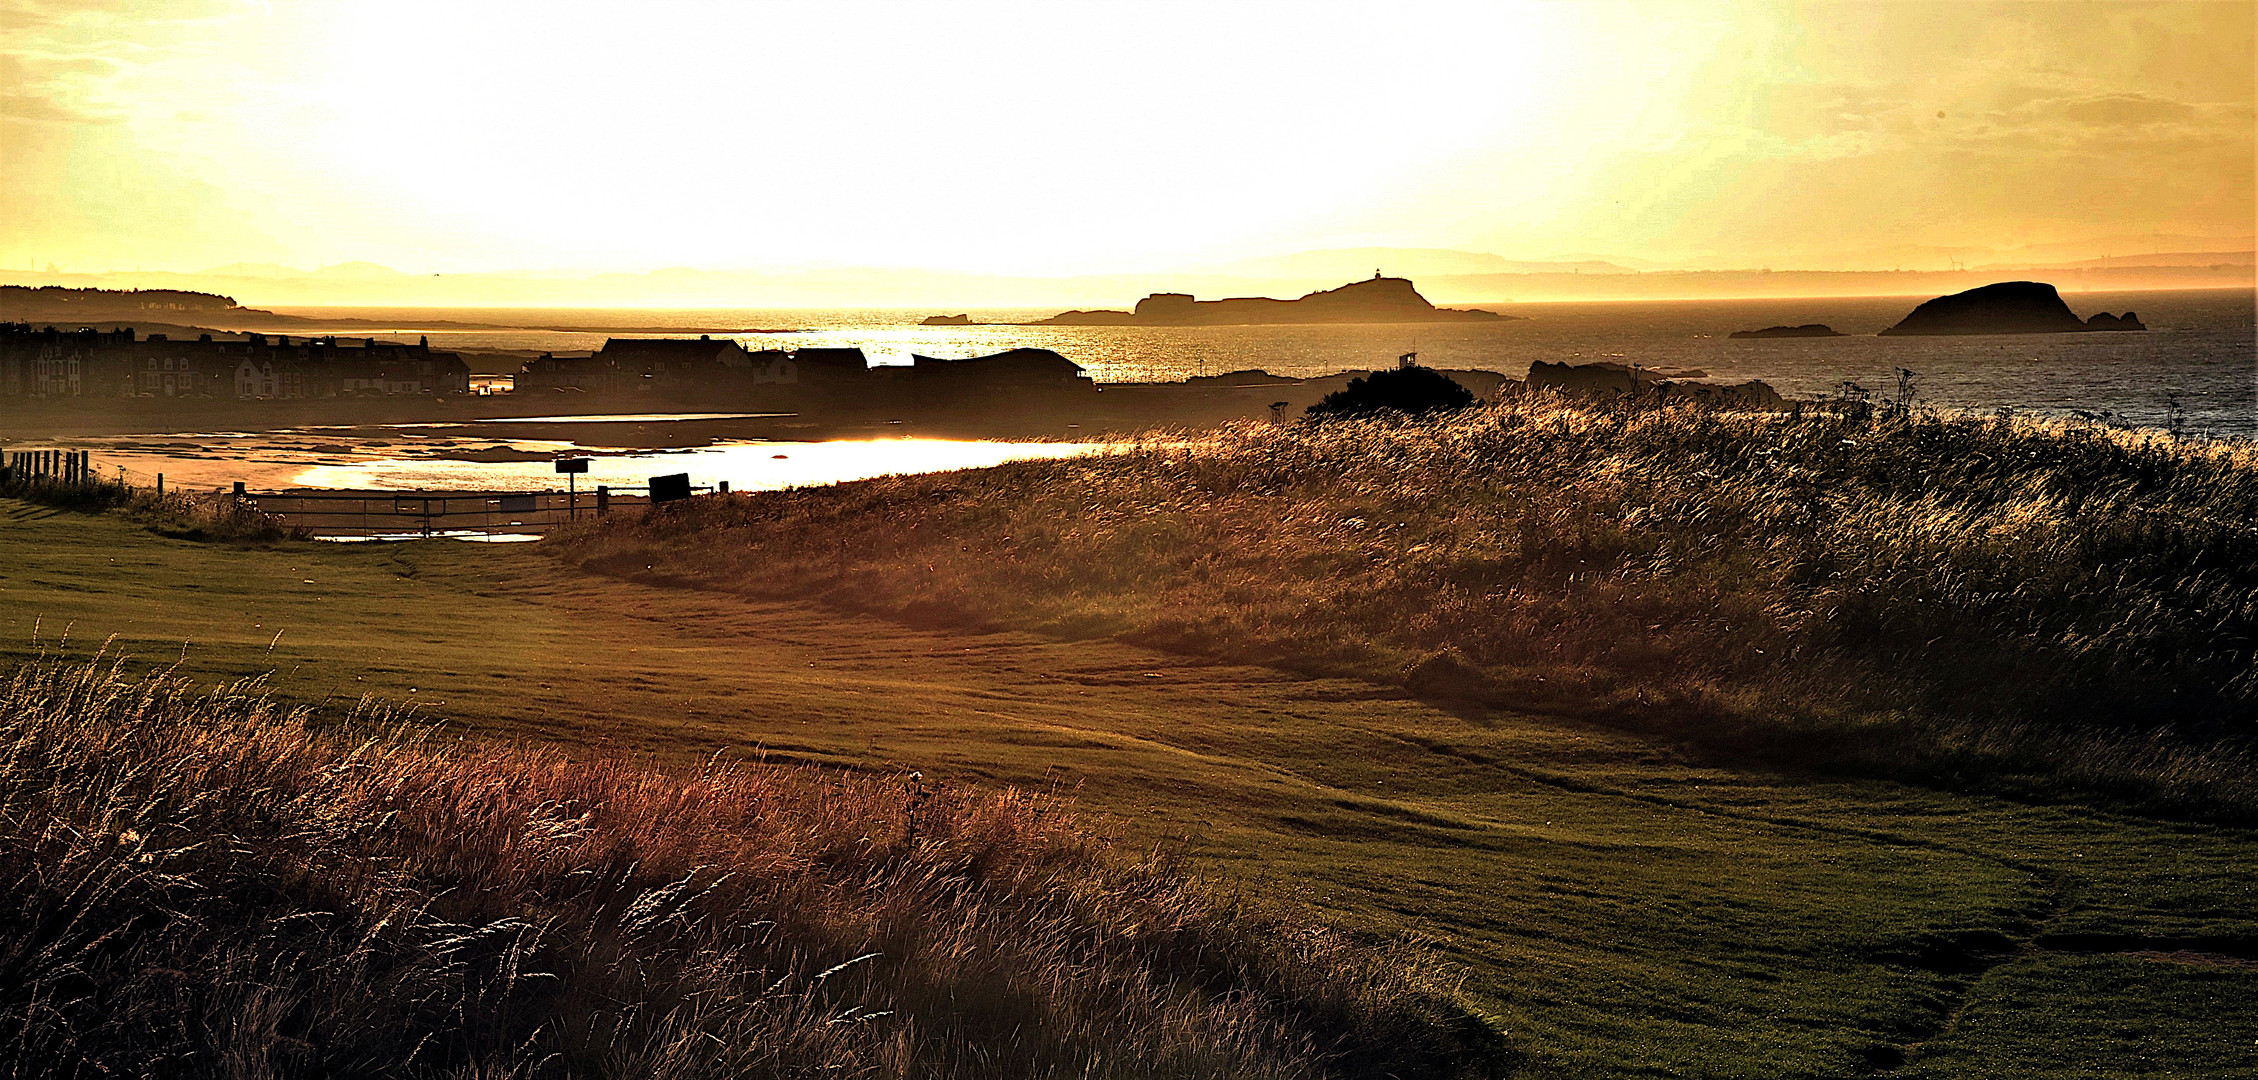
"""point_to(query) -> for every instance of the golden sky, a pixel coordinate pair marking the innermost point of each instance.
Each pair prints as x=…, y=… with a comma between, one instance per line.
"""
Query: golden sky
x=1060, y=138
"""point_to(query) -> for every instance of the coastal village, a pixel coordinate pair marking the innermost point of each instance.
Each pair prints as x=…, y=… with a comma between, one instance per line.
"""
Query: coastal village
x=91, y=363
x=670, y=367
x=94, y=362
x=114, y=361
x=48, y=363
x=120, y=363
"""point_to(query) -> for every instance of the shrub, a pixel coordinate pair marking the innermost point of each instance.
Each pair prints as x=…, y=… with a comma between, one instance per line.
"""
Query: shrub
x=1409, y=391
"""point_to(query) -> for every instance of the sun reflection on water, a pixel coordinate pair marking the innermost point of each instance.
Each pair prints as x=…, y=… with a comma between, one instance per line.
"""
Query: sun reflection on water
x=748, y=466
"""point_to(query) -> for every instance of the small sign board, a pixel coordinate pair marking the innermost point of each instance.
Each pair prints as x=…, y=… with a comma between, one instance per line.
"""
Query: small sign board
x=670, y=488
x=572, y=465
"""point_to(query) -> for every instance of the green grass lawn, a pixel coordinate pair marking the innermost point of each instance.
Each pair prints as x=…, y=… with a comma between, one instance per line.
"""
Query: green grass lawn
x=1620, y=907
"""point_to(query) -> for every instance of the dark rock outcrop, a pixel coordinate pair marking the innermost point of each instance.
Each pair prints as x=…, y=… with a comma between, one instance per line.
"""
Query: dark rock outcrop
x=2009, y=307
x=1377, y=300
x=2102, y=320
x=1605, y=380
x=1028, y=368
x=1755, y=395
x=1088, y=318
x=1601, y=378
x=1806, y=330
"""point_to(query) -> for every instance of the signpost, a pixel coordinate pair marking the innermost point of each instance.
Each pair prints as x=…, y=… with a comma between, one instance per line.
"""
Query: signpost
x=572, y=468
x=670, y=488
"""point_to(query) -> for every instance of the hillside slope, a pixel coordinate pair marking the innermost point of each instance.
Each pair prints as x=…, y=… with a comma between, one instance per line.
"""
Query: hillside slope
x=1618, y=906
x=1974, y=599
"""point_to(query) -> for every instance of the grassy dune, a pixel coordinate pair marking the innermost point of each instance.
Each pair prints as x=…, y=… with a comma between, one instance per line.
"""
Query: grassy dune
x=200, y=884
x=2003, y=602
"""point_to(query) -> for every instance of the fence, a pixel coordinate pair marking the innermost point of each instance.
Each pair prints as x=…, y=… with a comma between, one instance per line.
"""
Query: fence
x=67, y=466
x=374, y=514
x=393, y=514
x=427, y=513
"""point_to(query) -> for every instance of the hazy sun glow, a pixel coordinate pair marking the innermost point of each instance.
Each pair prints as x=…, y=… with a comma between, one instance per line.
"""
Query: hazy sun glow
x=1050, y=138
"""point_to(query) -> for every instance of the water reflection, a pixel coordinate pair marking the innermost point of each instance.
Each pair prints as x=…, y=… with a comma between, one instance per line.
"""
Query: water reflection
x=622, y=418
x=750, y=466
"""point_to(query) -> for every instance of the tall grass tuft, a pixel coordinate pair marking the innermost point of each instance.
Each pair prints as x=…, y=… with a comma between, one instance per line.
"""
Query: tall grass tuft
x=1993, y=600
x=175, y=513
x=199, y=884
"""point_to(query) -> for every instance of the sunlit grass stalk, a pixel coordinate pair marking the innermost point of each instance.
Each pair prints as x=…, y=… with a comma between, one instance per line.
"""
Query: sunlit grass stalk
x=197, y=883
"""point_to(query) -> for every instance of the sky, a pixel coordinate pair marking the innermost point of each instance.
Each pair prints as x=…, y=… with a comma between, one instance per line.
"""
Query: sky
x=1065, y=138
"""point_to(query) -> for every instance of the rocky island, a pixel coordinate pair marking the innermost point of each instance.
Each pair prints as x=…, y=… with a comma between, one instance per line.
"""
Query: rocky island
x=945, y=320
x=2009, y=307
x=1806, y=330
x=1378, y=300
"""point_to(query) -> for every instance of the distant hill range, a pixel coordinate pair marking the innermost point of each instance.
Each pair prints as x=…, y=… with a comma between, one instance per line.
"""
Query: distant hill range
x=1446, y=276
x=26, y=303
x=1376, y=300
x=2217, y=260
x=1335, y=264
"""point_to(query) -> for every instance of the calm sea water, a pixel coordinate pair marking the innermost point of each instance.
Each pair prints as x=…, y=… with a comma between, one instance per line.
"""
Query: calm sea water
x=2200, y=351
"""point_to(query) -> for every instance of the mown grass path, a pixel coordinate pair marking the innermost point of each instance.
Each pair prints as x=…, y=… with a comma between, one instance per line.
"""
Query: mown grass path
x=1621, y=909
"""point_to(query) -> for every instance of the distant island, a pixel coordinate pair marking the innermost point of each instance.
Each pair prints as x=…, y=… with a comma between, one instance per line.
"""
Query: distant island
x=1377, y=300
x=1806, y=330
x=2009, y=307
x=945, y=320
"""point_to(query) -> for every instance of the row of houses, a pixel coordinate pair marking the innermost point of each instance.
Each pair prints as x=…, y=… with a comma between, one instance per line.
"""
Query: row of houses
x=711, y=368
x=87, y=363
x=51, y=363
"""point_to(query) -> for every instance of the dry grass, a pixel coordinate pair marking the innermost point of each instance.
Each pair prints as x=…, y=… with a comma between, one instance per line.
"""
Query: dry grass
x=199, y=884
x=1997, y=601
x=176, y=514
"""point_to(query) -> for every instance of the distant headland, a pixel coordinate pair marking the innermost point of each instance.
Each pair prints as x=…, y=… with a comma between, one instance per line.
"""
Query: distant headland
x=1806, y=330
x=1376, y=300
x=2009, y=307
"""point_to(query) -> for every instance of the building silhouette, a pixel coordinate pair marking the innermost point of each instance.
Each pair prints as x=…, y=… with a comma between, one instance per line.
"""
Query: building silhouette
x=52, y=363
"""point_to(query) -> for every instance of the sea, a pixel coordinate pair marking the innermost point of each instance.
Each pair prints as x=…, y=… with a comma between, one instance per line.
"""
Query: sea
x=2194, y=370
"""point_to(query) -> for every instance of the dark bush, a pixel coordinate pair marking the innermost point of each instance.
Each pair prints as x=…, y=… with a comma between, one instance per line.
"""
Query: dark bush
x=1411, y=391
